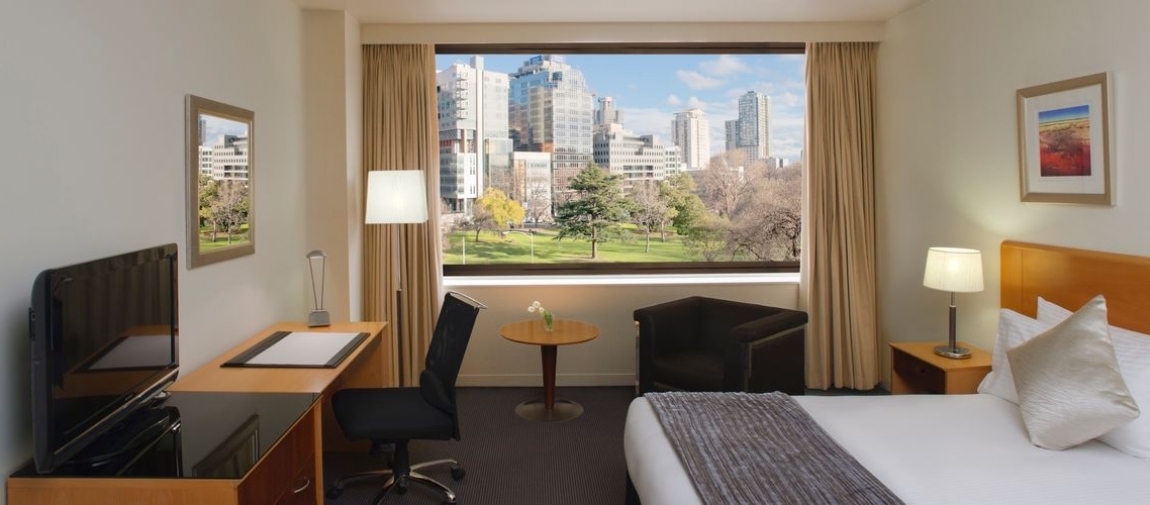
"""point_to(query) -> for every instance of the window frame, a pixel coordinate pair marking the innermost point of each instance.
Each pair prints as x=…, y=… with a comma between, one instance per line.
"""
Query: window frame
x=623, y=268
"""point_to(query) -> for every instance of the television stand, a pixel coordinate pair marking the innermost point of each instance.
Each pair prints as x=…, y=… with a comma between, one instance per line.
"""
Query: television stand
x=227, y=449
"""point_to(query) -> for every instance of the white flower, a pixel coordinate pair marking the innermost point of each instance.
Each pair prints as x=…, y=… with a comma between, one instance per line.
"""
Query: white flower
x=535, y=306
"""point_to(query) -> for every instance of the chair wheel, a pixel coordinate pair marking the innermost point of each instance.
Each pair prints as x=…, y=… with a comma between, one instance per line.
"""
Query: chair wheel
x=401, y=488
x=333, y=493
x=458, y=473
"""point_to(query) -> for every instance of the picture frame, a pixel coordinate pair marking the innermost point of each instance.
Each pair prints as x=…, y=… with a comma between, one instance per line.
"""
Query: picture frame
x=1064, y=142
x=220, y=170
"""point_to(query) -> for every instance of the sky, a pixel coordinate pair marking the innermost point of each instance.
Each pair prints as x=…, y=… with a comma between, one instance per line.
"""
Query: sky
x=650, y=89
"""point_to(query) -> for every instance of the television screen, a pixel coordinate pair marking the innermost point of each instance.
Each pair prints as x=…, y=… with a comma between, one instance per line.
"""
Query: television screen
x=104, y=342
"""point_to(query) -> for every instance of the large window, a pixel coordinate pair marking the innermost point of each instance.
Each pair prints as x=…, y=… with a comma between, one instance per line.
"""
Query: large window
x=577, y=162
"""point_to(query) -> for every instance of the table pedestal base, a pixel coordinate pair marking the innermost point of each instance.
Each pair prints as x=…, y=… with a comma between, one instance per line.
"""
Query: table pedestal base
x=536, y=410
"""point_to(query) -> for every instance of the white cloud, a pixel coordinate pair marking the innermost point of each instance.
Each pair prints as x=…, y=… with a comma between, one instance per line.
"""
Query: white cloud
x=695, y=103
x=673, y=100
x=695, y=80
x=724, y=65
x=646, y=121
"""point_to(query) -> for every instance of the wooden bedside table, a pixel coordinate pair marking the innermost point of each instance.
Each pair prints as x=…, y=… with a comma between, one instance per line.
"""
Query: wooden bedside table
x=916, y=369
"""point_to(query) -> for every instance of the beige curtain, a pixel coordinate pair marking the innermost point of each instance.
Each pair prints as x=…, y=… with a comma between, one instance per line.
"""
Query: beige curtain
x=838, y=264
x=400, y=132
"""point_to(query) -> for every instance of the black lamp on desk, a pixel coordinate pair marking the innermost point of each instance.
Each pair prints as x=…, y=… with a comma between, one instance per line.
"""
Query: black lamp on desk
x=397, y=197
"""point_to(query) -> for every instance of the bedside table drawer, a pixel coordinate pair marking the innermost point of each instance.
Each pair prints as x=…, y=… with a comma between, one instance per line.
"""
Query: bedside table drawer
x=917, y=376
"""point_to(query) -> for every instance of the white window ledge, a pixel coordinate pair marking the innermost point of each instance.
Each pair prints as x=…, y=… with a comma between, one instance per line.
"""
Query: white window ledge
x=614, y=280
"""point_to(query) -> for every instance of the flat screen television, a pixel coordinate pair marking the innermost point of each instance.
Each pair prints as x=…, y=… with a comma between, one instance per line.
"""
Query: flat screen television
x=104, y=343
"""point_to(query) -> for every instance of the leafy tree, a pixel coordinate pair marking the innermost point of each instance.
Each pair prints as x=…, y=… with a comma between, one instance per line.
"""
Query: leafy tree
x=679, y=192
x=209, y=193
x=493, y=211
x=708, y=237
x=595, y=209
x=651, y=209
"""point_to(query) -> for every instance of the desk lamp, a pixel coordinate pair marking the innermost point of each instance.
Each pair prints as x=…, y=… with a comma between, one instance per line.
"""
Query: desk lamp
x=955, y=270
x=319, y=316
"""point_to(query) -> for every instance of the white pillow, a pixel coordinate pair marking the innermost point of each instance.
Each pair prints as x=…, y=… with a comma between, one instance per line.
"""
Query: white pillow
x=1133, y=352
x=1013, y=329
x=1069, y=386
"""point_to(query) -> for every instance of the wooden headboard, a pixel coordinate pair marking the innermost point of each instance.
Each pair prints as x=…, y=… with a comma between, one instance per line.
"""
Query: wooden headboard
x=1071, y=277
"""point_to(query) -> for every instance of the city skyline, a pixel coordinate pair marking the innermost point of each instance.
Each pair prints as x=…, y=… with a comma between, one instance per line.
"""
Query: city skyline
x=650, y=89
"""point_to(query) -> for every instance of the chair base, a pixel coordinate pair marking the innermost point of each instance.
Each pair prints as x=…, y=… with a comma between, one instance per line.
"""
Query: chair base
x=400, y=483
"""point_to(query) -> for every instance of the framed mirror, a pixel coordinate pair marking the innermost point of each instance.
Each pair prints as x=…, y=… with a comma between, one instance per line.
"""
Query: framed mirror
x=220, y=181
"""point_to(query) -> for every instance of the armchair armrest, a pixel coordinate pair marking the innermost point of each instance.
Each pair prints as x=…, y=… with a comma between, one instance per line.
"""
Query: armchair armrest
x=676, y=322
x=767, y=354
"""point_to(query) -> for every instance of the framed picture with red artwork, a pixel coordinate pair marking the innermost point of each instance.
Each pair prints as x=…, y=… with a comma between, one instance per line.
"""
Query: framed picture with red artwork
x=1064, y=142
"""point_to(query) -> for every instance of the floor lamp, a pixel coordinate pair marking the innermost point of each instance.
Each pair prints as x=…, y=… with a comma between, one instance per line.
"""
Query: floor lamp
x=397, y=197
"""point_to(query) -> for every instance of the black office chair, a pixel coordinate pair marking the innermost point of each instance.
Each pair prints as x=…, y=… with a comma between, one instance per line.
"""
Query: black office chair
x=428, y=412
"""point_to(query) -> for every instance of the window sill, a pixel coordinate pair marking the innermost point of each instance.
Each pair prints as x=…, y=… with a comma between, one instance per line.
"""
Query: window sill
x=615, y=280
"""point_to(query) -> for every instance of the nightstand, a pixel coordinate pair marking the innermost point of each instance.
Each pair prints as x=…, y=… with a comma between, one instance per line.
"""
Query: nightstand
x=916, y=369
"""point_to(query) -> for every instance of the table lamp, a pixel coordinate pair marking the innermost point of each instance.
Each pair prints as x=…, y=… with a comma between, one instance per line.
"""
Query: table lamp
x=396, y=197
x=319, y=315
x=955, y=270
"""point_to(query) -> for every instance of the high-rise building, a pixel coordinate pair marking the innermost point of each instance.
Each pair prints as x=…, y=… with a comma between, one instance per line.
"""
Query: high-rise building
x=531, y=184
x=550, y=110
x=731, y=134
x=607, y=115
x=635, y=157
x=674, y=163
x=226, y=159
x=753, y=134
x=691, y=132
x=474, y=147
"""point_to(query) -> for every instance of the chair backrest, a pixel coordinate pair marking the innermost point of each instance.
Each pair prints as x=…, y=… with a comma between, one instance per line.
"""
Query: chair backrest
x=445, y=354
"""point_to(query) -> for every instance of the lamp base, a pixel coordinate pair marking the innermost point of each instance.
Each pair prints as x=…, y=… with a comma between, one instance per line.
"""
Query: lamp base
x=319, y=318
x=955, y=352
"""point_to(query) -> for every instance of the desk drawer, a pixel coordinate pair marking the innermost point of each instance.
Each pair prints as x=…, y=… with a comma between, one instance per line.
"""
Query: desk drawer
x=293, y=455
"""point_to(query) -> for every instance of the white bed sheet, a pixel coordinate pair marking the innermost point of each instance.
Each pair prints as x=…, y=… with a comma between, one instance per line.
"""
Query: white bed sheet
x=929, y=449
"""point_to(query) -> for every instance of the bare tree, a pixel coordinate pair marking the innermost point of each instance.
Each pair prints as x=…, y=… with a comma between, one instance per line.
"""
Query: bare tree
x=728, y=182
x=651, y=209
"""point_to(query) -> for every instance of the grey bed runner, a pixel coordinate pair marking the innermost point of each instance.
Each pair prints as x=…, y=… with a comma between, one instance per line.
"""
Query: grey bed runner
x=742, y=448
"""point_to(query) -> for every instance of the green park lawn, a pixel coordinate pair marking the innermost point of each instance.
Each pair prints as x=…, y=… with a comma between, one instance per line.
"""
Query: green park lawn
x=515, y=248
x=207, y=244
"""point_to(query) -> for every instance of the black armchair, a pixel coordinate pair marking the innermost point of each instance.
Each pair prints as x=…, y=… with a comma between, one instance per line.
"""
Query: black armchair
x=707, y=344
x=428, y=412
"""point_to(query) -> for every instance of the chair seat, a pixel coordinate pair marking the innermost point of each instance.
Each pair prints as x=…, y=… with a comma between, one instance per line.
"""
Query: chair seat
x=390, y=414
x=695, y=371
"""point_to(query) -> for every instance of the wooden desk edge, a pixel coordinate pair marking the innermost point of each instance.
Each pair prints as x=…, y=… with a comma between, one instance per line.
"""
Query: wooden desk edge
x=212, y=377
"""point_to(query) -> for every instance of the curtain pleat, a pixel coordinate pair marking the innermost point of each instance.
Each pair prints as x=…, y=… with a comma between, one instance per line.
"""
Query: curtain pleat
x=400, y=132
x=838, y=285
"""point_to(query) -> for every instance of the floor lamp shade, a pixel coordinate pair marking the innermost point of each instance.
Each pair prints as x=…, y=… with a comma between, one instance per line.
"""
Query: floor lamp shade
x=958, y=271
x=396, y=196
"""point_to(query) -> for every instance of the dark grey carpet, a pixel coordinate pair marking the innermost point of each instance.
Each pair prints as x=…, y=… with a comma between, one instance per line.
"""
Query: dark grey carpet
x=512, y=461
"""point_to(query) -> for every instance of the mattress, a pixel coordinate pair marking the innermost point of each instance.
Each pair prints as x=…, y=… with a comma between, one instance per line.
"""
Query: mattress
x=932, y=449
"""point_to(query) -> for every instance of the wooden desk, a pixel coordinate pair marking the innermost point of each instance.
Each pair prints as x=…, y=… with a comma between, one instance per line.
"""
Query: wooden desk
x=367, y=366
x=565, y=332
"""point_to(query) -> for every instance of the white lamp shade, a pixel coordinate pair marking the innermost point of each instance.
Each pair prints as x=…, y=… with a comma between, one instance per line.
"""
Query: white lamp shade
x=396, y=196
x=953, y=269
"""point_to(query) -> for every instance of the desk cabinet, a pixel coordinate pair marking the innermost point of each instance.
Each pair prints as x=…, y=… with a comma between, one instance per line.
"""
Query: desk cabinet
x=296, y=454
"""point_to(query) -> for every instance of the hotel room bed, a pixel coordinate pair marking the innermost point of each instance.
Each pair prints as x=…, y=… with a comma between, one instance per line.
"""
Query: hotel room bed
x=957, y=448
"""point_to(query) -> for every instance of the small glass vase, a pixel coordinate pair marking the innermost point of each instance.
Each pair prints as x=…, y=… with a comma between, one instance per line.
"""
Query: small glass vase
x=548, y=321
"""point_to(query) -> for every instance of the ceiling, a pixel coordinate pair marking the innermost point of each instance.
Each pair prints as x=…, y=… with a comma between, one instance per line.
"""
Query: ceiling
x=601, y=11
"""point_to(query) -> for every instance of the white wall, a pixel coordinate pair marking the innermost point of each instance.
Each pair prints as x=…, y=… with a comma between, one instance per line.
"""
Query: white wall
x=515, y=33
x=948, y=162
x=609, y=359
x=333, y=99
x=92, y=132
